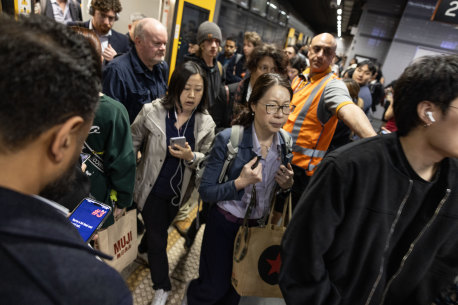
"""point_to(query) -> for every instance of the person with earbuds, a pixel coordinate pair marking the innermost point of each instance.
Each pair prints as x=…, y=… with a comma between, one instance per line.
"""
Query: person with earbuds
x=164, y=178
x=104, y=14
x=378, y=222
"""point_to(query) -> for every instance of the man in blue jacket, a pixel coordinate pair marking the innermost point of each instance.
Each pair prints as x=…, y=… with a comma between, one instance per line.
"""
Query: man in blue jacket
x=43, y=258
x=378, y=222
x=139, y=76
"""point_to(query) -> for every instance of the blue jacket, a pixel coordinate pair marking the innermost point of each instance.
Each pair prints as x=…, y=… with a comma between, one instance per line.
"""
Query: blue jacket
x=210, y=190
x=127, y=80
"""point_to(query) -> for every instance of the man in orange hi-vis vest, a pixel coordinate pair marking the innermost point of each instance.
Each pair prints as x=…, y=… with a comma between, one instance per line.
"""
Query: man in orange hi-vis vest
x=320, y=99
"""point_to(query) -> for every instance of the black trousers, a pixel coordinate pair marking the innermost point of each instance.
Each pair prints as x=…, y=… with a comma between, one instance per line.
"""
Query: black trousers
x=214, y=283
x=301, y=180
x=158, y=214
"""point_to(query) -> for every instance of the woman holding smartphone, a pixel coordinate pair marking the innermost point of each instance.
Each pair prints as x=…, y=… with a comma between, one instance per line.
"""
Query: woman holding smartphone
x=164, y=178
x=267, y=111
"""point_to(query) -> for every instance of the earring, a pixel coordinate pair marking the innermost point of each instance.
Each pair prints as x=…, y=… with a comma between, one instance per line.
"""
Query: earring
x=252, y=114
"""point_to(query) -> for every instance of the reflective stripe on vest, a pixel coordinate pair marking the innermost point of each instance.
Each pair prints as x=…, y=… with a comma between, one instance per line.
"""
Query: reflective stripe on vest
x=301, y=116
x=310, y=141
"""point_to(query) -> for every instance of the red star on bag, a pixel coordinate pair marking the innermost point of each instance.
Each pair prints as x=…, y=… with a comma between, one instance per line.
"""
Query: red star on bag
x=275, y=265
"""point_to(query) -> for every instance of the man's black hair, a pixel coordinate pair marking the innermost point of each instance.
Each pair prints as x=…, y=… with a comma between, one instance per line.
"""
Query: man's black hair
x=48, y=74
x=429, y=78
x=370, y=65
x=232, y=38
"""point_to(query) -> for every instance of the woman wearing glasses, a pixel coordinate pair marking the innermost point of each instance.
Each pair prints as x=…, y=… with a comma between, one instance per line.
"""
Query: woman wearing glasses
x=266, y=58
x=267, y=111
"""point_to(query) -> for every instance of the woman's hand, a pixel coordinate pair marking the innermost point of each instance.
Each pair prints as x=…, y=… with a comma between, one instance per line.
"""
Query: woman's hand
x=184, y=153
x=284, y=176
x=248, y=175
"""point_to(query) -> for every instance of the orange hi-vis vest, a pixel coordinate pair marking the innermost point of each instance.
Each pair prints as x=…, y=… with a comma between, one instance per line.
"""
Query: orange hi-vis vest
x=311, y=137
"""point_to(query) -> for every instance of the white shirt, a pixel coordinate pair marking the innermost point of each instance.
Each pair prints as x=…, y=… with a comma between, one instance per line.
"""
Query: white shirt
x=59, y=15
x=103, y=38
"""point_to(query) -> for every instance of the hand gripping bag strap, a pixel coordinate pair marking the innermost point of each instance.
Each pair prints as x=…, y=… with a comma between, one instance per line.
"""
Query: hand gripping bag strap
x=232, y=150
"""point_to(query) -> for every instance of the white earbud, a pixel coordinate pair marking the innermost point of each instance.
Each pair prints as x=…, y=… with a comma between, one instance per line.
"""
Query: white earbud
x=429, y=114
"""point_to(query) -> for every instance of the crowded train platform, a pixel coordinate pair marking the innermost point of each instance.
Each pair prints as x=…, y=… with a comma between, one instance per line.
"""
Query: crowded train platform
x=228, y=152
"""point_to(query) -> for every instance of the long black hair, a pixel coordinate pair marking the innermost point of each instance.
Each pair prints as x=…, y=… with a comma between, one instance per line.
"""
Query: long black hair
x=262, y=85
x=177, y=83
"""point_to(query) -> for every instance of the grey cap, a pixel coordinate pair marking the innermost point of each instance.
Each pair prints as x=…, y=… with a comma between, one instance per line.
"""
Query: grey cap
x=208, y=30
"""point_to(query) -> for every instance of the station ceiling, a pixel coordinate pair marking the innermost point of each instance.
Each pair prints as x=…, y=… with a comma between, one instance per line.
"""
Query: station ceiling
x=321, y=15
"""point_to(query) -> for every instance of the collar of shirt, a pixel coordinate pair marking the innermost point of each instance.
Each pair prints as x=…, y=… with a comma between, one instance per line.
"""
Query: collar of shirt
x=139, y=66
x=101, y=36
x=306, y=75
x=257, y=146
x=61, y=209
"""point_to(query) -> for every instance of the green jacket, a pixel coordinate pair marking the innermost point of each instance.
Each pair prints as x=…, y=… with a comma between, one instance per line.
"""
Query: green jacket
x=111, y=140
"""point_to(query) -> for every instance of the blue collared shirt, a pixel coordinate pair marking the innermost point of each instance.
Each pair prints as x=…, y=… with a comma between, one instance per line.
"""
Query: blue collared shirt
x=264, y=188
x=127, y=80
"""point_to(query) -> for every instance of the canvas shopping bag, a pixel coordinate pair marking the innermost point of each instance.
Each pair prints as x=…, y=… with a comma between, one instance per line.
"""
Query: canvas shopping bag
x=257, y=260
x=120, y=241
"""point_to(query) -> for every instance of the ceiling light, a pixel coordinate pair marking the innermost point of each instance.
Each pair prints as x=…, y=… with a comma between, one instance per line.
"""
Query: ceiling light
x=339, y=11
x=273, y=6
x=338, y=2
x=339, y=17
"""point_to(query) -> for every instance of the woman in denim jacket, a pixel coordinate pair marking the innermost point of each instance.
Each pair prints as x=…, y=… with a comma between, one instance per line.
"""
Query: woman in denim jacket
x=267, y=111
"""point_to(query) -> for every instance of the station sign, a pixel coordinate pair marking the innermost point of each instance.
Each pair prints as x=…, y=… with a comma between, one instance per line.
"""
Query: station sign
x=446, y=11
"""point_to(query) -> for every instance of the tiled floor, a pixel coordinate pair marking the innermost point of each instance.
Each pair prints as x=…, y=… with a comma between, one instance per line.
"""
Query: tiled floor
x=183, y=266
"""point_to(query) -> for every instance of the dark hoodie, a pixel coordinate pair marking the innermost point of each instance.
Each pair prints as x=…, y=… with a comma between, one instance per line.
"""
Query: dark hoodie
x=217, y=94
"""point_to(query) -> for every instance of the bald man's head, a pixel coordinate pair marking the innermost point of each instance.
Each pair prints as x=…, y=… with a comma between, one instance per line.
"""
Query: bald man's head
x=150, y=41
x=321, y=52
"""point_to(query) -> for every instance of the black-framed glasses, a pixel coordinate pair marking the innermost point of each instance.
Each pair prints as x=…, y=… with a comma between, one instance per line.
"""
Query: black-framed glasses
x=285, y=109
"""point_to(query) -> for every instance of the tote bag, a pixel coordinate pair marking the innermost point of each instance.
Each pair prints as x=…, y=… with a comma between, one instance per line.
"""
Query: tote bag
x=120, y=241
x=257, y=261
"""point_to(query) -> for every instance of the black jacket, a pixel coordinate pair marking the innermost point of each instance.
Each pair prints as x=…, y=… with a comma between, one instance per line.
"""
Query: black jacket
x=218, y=93
x=43, y=259
x=368, y=230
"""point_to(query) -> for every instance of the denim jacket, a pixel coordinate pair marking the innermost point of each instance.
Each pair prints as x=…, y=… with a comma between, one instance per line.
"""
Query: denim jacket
x=210, y=190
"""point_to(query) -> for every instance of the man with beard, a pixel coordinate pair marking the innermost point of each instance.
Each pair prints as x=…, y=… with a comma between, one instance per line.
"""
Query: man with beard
x=139, y=76
x=320, y=99
x=42, y=130
x=104, y=14
x=230, y=49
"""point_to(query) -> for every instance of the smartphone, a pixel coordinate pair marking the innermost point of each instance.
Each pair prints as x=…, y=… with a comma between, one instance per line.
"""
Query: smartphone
x=256, y=163
x=288, y=159
x=89, y=216
x=180, y=141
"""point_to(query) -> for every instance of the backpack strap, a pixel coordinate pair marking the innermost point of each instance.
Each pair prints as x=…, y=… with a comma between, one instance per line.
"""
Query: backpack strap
x=237, y=58
x=232, y=150
x=287, y=139
x=220, y=68
x=94, y=158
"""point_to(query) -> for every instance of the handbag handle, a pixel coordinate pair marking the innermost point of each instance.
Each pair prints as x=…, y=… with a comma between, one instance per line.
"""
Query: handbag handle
x=287, y=208
x=245, y=228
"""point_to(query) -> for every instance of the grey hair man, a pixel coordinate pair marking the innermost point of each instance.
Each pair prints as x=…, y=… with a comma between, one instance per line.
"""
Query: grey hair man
x=139, y=76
